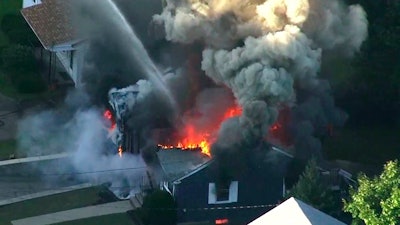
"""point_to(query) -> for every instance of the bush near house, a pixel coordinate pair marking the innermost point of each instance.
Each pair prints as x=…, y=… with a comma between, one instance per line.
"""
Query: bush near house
x=20, y=66
x=158, y=209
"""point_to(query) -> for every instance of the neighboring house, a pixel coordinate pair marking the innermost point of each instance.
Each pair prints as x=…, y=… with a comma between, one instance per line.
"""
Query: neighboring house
x=294, y=211
x=29, y=3
x=194, y=183
x=50, y=21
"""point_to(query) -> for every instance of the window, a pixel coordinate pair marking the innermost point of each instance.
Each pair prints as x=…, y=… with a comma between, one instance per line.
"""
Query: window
x=220, y=194
x=71, y=60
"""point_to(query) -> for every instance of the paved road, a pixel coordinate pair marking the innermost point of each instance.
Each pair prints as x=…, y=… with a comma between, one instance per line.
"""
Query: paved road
x=76, y=214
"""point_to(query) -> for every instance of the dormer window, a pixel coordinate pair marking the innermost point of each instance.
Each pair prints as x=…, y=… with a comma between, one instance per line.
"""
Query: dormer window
x=222, y=193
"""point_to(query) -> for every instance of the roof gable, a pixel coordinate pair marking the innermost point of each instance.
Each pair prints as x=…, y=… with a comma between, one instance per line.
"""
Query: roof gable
x=50, y=22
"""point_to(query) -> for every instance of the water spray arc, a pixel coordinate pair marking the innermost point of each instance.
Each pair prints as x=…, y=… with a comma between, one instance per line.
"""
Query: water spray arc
x=140, y=54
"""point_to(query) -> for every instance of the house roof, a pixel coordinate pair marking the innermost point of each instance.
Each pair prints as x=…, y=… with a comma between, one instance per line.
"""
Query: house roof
x=294, y=211
x=50, y=22
x=177, y=163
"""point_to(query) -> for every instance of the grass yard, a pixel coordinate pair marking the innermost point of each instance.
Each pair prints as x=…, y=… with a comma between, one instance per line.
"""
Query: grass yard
x=6, y=7
x=7, y=148
x=50, y=204
x=368, y=145
x=120, y=219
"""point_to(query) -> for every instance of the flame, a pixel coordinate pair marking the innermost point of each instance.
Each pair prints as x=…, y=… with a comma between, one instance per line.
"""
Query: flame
x=275, y=127
x=278, y=133
x=232, y=112
x=108, y=116
x=120, y=151
x=195, y=139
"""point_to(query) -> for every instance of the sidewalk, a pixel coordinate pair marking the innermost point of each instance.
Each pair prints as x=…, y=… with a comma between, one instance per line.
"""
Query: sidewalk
x=34, y=159
x=76, y=214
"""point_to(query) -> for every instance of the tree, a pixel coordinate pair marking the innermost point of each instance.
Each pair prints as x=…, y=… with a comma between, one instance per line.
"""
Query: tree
x=159, y=208
x=376, y=201
x=20, y=65
x=17, y=30
x=312, y=190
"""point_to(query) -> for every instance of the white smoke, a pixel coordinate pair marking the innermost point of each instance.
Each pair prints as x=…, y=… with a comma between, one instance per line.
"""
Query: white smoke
x=263, y=50
x=82, y=132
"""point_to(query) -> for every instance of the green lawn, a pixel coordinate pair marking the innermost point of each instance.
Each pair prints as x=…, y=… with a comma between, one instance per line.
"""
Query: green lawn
x=50, y=204
x=7, y=148
x=120, y=219
x=6, y=7
x=364, y=145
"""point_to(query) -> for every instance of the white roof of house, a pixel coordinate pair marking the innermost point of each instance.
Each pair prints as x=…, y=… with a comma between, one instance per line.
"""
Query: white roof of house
x=295, y=212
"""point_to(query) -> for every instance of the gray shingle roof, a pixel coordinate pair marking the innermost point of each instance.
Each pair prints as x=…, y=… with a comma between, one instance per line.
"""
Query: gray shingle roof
x=177, y=163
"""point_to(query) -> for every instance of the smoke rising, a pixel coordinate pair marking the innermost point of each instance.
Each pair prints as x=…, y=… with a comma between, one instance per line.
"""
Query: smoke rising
x=261, y=54
x=267, y=53
x=82, y=133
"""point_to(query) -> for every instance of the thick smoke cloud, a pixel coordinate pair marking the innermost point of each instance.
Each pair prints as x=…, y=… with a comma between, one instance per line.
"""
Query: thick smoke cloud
x=267, y=52
x=114, y=56
x=333, y=25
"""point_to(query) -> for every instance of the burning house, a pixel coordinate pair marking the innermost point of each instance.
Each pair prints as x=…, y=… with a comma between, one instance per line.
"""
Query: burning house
x=247, y=72
x=121, y=102
x=202, y=196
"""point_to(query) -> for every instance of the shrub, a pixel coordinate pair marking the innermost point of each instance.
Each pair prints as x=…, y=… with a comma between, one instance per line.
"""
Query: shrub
x=20, y=65
x=159, y=209
x=17, y=58
x=18, y=31
x=29, y=83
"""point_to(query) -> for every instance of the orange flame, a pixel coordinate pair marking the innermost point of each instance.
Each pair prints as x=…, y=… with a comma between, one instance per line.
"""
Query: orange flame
x=194, y=139
x=120, y=151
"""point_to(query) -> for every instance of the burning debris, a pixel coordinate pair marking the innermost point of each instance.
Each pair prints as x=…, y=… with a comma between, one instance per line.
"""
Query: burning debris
x=194, y=136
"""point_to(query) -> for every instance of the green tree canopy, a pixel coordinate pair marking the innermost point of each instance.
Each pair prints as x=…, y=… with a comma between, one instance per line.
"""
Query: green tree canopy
x=376, y=201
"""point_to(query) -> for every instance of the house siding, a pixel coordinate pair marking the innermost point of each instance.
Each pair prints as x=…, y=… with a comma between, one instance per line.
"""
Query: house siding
x=262, y=186
x=73, y=67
